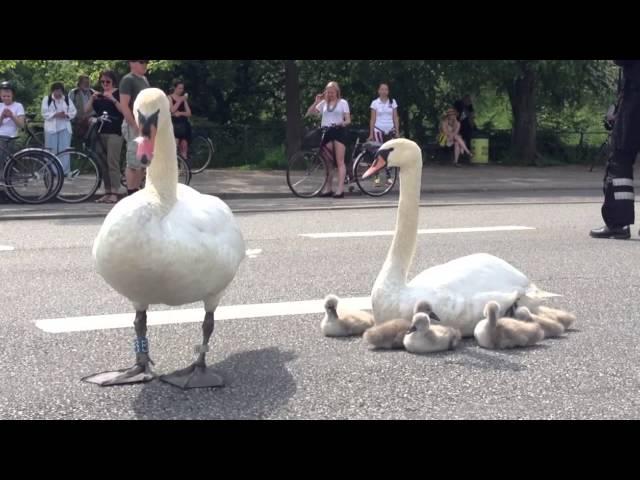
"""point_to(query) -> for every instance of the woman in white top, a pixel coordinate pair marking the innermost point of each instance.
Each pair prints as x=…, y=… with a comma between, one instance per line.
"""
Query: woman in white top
x=58, y=111
x=11, y=118
x=335, y=114
x=384, y=123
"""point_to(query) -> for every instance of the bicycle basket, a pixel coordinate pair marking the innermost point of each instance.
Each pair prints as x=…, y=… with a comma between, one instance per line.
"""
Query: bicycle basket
x=312, y=139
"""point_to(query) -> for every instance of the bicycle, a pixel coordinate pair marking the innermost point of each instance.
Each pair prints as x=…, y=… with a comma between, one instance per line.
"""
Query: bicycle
x=363, y=157
x=30, y=175
x=83, y=178
x=200, y=154
x=35, y=138
x=308, y=172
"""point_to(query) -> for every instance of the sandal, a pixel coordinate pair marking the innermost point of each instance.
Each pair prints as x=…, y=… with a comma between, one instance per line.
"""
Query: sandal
x=110, y=198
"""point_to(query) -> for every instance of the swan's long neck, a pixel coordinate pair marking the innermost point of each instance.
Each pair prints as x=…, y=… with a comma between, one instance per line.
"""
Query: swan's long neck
x=162, y=174
x=403, y=246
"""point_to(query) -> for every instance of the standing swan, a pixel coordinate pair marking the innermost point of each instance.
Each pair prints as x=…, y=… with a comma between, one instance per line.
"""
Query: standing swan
x=457, y=290
x=166, y=244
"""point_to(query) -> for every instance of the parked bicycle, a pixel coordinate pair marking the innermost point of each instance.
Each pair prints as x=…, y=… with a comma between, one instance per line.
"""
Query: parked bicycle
x=200, y=154
x=308, y=169
x=30, y=175
x=83, y=178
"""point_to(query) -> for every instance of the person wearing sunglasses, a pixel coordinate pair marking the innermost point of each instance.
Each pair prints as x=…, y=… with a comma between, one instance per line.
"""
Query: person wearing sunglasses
x=109, y=143
x=130, y=86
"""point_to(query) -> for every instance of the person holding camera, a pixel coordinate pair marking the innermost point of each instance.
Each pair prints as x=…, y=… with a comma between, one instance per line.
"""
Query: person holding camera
x=58, y=112
x=109, y=144
x=335, y=115
x=180, y=113
x=11, y=118
x=619, y=196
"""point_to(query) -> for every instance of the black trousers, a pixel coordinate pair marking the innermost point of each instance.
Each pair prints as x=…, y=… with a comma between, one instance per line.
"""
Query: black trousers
x=618, y=207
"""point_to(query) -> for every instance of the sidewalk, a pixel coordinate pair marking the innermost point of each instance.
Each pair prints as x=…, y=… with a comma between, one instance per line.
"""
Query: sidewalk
x=233, y=184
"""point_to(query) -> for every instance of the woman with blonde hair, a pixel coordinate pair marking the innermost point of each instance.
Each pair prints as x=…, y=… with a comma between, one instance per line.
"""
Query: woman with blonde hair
x=450, y=135
x=336, y=116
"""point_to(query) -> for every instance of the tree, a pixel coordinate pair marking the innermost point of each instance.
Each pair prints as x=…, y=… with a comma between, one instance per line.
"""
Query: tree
x=292, y=98
x=533, y=85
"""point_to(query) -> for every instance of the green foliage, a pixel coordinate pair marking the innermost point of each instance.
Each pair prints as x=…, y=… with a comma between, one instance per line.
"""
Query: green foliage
x=227, y=95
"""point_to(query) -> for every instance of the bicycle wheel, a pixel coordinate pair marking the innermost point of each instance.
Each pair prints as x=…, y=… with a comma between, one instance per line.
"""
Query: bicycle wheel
x=378, y=184
x=33, y=176
x=200, y=154
x=184, y=172
x=82, y=180
x=307, y=174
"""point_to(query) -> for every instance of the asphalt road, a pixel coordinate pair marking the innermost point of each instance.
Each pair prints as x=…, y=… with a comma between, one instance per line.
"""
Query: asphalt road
x=281, y=367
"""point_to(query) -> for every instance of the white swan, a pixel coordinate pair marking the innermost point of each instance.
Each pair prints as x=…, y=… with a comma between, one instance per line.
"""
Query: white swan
x=166, y=244
x=457, y=290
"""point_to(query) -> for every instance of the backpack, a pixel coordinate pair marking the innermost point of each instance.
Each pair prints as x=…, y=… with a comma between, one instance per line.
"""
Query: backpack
x=66, y=99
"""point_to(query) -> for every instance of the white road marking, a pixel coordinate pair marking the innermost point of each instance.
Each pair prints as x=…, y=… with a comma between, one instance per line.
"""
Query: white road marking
x=6, y=248
x=253, y=252
x=223, y=312
x=420, y=232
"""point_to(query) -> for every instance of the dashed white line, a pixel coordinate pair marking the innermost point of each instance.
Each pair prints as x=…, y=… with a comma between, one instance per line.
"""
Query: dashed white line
x=223, y=312
x=420, y=232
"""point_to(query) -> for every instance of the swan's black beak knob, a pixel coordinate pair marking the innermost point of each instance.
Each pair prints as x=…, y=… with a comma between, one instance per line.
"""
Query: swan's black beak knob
x=145, y=123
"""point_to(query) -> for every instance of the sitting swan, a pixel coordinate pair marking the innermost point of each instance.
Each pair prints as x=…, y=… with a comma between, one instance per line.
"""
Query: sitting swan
x=390, y=335
x=550, y=327
x=345, y=324
x=498, y=333
x=457, y=290
x=166, y=244
x=423, y=337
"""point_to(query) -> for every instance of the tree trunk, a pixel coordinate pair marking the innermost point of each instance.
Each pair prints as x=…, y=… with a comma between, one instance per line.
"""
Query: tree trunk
x=292, y=97
x=523, y=106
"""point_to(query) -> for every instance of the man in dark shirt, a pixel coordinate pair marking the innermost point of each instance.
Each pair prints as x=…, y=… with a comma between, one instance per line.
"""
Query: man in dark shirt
x=618, y=207
x=465, y=116
x=130, y=86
